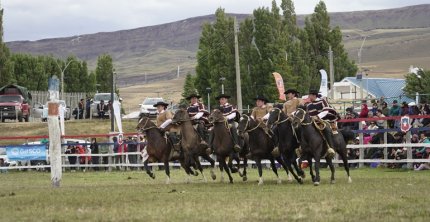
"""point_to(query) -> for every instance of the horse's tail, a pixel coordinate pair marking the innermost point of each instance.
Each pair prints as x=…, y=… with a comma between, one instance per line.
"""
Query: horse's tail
x=348, y=135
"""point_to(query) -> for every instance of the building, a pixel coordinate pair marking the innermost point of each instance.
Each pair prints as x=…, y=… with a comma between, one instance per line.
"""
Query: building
x=351, y=88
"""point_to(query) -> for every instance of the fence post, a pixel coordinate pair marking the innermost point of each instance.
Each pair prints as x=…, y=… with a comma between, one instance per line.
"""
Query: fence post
x=409, y=151
x=361, y=150
x=385, y=141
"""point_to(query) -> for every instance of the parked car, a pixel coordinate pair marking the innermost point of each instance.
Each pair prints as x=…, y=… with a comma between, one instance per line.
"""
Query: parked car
x=5, y=159
x=14, y=103
x=41, y=111
x=99, y=97
x=147, y=107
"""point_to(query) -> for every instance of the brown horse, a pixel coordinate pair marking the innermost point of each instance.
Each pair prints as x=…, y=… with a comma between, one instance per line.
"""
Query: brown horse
x=191, y=144
x=158, y=147
x=222, y=144
x=260, y=145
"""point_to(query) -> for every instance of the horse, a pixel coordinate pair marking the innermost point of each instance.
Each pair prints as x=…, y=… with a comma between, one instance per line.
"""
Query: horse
x=191, y=144
x=158, y=147
x=222, y=144
x=314, y=146
x=288, y=140
x=260, y=145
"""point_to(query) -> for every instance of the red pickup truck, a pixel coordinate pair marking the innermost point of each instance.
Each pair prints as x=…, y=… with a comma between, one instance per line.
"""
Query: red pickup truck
x=14, y=103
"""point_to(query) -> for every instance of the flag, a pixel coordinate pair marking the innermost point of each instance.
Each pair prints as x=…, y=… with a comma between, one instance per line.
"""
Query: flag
x=323, y=87
x=280, y=85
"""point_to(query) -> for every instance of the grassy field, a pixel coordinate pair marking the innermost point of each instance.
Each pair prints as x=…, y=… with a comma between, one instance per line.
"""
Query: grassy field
x=374, y=195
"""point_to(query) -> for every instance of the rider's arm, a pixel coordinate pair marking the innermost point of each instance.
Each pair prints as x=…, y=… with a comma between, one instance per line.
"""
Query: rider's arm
x=166, y=123
x=231, y=116
x=198, y=115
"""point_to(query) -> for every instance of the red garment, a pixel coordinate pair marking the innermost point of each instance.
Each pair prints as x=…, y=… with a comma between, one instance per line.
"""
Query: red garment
x=364, y=111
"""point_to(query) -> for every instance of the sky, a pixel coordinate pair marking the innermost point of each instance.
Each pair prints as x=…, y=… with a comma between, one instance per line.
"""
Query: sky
x=41, y=19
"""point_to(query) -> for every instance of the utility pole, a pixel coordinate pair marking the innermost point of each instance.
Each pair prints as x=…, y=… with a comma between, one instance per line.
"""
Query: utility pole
x=177, y=72
x=236, y=55
x=62, y=76
x=112, y=91
x=330, y=55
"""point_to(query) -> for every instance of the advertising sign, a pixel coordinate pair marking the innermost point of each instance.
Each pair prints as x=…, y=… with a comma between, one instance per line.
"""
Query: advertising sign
x=30, y=152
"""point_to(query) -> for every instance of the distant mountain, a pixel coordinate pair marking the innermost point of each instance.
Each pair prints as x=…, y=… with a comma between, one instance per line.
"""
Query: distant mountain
x=160, y=49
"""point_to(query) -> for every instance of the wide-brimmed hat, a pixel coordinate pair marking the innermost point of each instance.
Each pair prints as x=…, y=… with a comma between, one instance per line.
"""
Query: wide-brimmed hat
x=262, y=98
x=293, y=91
x=313, y=92
x=161, y=103
x=193, y=95
x=222, y=96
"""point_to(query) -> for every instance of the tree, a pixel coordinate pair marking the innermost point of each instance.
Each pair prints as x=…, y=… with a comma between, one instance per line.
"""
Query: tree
x=189, y=88
x=5, y=64
x=417, y=83
x=104, y=71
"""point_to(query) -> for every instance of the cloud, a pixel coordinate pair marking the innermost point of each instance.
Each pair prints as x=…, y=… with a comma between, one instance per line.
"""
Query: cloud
x=37, y=19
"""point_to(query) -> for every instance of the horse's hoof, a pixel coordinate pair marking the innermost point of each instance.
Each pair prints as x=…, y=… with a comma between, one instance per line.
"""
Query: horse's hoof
x=240, y=173
x=234, y=170
x=332, y=181
x=213, y=175
x=260, y=181
x=152, y=176
x=290, y=179
x=168, y=180
x=300, y=180
x=244, y=178
x=196, y=173
x=349, y=180
x=316, y=183
x=279, y=181
x=231, y=181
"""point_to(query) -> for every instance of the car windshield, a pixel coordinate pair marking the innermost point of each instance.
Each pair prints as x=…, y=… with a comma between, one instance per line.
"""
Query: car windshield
x=151, y=101
x=104, y=97
x=10, y=99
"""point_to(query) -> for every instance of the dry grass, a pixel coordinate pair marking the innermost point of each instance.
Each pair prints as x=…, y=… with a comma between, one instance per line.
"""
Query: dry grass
x=375, y=195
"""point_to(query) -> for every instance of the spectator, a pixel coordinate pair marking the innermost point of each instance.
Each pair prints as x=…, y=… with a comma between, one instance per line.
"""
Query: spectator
x=404, y=110
x=385, y=109
x=374, y=108
x=423, y=152
x=394, y=111
x=81, y=109
x=72, y=159
x=3, y=164
x=350, y=114
x=116, y=150
x=101, y=107
x=364, y=113
x=372, y=126
x=88, y=108
x=95, y=150
x=132, y=147
x=379, y=114
x=354, y=154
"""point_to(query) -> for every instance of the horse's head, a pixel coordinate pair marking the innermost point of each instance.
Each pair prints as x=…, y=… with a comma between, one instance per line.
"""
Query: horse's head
x=274, y=117
x=216, y=116
x=245, y=124
x=144, y=124
x=298, y=117
x=181, y=115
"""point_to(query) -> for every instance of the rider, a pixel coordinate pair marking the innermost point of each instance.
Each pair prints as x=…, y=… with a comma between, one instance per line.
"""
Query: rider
x=319, y=109
x=230, y=113
x=261, y=113
x=164, y=118
x=289, y=107
x=196, y=110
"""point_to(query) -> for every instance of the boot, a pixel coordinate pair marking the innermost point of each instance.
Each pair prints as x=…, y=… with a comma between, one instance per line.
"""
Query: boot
x=275, y=152
x=235, y=138
x=299, y=152
x=210, y=149
x=329, y=139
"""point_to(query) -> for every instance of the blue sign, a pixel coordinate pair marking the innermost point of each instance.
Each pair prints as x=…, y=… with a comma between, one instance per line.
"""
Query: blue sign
x=54, y=83
x=30, y=152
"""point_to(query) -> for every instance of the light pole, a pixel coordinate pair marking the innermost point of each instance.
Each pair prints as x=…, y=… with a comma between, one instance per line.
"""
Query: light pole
x=209, y=90
x=62, y=76
x=222, y=84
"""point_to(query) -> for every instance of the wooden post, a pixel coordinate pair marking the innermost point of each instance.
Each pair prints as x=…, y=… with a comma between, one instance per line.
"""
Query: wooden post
x=385, y=141
x=54, y=132
x=361, y=150
x=409, y=151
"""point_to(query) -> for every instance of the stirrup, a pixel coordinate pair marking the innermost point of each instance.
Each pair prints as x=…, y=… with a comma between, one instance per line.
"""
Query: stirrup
x=330, y=153
x=236, y=148
x=299, y=152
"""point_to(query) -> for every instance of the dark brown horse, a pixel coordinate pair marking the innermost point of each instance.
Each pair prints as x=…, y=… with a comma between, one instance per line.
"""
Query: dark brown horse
x=191, y=145
x=288, y=140
x=158, y=147
x=314, y=146
x=222, y=144
x=260, y=145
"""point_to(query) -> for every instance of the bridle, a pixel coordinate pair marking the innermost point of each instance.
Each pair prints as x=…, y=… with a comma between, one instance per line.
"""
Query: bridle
x=247, y=124
x=144, y=125
x=302, y=118
x=278, y=121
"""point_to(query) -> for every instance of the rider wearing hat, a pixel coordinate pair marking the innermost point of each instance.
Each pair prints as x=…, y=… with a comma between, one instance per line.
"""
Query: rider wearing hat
x=292, y=103
x=230, y=113
x=260, y=112
x=164, y=118
x=319, y=110
x=196, y=110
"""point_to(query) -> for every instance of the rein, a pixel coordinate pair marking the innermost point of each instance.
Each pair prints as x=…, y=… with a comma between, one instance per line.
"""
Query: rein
x=145, y=129
x=303, y=118
x=247, y=123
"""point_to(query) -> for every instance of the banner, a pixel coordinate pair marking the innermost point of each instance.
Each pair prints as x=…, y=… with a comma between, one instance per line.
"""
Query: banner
x=280, y=84
x=323, y=87
x=117, y=114
x=30, y=152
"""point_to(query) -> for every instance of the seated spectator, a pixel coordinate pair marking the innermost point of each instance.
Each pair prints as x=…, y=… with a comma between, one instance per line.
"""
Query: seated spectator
x=3, y=164
x=372, y=126
x=350, y=114
x=423, y=166
x=394, y=111
x=423, y=152
x=364, y=113
x=380, y=123
x=374, y=108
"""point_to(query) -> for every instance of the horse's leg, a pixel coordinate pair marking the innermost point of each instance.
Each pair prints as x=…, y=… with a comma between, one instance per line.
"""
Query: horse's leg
x=292, y=158
x=344, y=157
x=245, y=164
x=330, y=164
x=311, y=171
x=282, y=160
x=273, y=165
x=227, y=170
x=187, y=163
x=167, y=169
x=212, y=162
x=260, y=171
x=199, y=166
x=221, y=167
x=287, y=163
x=317, y=170
x=148, y=169
x=230, y=163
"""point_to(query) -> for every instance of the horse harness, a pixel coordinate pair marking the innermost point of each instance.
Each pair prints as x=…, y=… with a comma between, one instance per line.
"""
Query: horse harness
x=277, y=122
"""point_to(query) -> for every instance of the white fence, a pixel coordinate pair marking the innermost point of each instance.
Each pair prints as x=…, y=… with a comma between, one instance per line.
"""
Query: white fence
x=125, y=159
